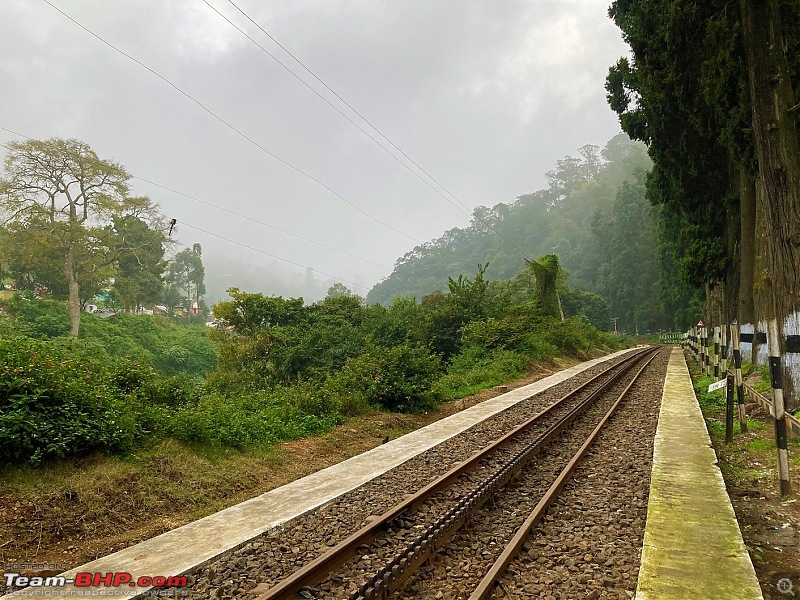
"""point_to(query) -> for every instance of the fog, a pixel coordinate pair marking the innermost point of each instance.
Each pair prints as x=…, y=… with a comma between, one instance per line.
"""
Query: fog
x=485, y=96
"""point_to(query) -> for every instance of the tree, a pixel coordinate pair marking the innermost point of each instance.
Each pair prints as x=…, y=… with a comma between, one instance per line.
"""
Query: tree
x=338, y=289
x=629, y=276
x=140, y=261
x=549, y=276
x=712, y=89
x=186, y=272
x=249, y=313
x=59, y=194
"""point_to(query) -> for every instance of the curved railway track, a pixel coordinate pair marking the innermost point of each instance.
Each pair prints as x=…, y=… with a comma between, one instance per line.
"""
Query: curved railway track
x=376, y=560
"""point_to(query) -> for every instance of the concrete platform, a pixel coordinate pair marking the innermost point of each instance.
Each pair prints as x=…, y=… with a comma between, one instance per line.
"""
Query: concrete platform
x=692, y=544
x=185, y=548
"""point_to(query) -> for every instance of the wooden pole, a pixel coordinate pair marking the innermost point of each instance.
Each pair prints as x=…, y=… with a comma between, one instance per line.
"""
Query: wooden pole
x=729, y=409
x=723, y=349
x=737, y=365
x=716, y=352
x=777, y=402
x=702, y=351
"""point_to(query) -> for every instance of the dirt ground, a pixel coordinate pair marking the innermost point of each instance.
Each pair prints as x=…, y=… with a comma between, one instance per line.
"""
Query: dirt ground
x=64, y=516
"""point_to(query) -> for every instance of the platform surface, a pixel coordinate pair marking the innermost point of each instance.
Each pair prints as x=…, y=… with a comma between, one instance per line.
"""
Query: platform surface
x=183, y=549
x=692, y=544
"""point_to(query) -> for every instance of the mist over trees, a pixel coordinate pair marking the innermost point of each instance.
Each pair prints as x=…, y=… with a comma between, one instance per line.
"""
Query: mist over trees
x=593, y=216
x=273, y=278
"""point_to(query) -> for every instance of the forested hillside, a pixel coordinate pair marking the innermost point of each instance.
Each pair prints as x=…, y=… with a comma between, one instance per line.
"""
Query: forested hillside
x=593, y=215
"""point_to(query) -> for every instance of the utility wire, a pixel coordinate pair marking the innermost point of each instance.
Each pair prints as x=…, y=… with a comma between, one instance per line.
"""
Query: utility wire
x=265, y=224
x=242, y=134
x=464, y=210
x=233, y=212
x=229, y=125
x=346, y=103
x=181, y=222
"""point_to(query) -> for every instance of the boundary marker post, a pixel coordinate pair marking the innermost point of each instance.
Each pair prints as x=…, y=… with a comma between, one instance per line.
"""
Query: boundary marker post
x=728, y=409
x=777, y=402
x=737, y=366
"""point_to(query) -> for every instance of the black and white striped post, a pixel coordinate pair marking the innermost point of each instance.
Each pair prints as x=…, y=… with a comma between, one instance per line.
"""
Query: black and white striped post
x=777, y=403
x=716, y=353
x=723, y=349
x=737, y=366
x=706, y=355
x=728, y=408
x=702, y=350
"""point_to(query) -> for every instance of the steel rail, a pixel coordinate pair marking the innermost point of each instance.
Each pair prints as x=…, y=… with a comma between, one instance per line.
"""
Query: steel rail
x=318, y=569
x=438, y=533
x=486, y=585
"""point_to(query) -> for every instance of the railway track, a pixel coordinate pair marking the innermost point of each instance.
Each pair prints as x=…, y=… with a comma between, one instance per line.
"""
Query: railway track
x=458, y=508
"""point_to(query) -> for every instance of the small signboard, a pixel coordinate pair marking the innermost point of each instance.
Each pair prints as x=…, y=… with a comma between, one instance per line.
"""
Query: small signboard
x=717, y=385
x=700, y=323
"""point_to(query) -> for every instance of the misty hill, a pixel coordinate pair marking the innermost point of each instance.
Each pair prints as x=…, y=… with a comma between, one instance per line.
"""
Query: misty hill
x=593, y=215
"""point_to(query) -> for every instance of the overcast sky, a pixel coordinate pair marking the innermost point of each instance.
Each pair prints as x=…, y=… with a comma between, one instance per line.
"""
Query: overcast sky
x=486, y=96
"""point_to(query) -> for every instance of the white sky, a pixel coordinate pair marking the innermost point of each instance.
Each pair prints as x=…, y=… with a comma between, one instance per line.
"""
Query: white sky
x=486, y=96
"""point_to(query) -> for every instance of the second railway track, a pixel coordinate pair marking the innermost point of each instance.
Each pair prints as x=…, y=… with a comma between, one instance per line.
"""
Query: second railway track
x=493, y=493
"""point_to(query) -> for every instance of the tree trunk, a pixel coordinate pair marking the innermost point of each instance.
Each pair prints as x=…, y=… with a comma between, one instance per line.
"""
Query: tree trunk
x=74, y=300
x=778, y=153
x=747, y=244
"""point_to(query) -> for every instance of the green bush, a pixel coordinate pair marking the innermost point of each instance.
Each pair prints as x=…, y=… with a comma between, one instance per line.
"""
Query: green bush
x=574, y=335
x=56, y=401
x=475, y=368
x=535, y=346
x=245, y=421
x=397, y=378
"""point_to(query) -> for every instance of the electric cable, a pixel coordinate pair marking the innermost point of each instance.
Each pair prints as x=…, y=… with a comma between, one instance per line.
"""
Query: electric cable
x=242, y=134
x=346, y=103
x=229, y=125
x=464, y=210
x=233, y=212
x=275, y=256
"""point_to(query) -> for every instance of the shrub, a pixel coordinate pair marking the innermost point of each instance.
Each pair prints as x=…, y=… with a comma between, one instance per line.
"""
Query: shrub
x=535, y=346
x=476, y=368
x=56, y=401
x=397, y=378
x=245, y=421
x=573, y=335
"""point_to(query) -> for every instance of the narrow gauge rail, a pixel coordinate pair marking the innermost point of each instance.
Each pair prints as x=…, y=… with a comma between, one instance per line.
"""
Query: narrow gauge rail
x=514, y=451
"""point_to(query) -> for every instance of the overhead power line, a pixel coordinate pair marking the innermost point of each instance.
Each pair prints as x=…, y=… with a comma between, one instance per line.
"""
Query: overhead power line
x=238, y=214
x=181, y=222
x=265, y=224
x=465, y=209
x=229, y=125
x=241, y=133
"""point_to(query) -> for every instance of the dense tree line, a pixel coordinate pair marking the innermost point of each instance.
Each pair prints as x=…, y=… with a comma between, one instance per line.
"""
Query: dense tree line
x=593, y=215
x=712, y=89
